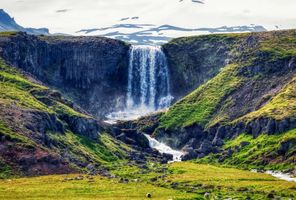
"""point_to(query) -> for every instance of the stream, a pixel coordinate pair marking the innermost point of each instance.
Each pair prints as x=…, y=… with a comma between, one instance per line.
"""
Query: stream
x=279, y=175
x=163, y=148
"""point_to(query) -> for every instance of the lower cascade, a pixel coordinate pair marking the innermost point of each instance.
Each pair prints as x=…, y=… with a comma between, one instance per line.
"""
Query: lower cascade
x=163, y=148
x=148, y=83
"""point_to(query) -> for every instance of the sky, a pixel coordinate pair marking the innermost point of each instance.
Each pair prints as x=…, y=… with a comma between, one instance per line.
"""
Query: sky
x=69, y=16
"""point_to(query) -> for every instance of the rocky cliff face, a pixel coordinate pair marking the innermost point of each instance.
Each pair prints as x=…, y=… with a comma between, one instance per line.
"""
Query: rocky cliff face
x=90, y=70
x=194, y=60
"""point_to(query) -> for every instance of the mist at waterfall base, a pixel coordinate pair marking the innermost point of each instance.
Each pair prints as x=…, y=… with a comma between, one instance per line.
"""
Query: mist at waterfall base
x=148, y=84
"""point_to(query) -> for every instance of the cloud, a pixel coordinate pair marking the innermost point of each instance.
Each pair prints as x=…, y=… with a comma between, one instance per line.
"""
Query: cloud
x=124, y=19
x=197, y=1
x=55, y=14
x=62, y=11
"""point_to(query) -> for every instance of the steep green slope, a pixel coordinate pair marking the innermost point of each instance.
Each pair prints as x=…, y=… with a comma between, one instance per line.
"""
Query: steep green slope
x=200, y=104
x=42, y=133
x=252, y=95
x=262, y=67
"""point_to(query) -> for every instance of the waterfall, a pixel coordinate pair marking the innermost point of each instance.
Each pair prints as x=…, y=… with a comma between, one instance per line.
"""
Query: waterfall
x=148, y=87
x=148, y=79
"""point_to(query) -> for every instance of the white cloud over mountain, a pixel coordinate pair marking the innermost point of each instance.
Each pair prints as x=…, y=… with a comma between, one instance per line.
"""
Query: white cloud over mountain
x=70, y=16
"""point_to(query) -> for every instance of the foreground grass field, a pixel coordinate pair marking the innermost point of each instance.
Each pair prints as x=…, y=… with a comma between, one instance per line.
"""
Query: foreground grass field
x=183, y=180
x=223, y=183
x=55, y=187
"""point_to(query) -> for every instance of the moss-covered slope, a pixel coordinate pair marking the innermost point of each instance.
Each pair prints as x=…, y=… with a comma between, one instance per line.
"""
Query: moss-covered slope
x=43, y=133
x=253, y=94
x=262, y=63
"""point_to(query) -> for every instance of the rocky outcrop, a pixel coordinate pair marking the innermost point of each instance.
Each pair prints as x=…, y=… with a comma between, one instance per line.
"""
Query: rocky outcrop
x=199, y=142
x=130, y=136
x=285, y=146
x=87, y=127
x=90, y=70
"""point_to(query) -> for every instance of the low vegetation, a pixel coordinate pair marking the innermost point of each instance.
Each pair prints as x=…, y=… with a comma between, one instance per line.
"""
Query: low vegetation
x=223, y=183
x=281, y=106
x=60, y=187
x=218, y=175
x=8, y=33
x=106, y=151
x=184, y=180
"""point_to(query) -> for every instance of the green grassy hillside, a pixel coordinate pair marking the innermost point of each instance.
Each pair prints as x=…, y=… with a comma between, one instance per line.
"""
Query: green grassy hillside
x=250, y=100
x=198, y=107
x=262, y=64
x=38, y=132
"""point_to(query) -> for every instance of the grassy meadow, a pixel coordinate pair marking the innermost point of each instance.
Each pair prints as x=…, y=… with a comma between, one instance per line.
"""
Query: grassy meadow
x=184, y=180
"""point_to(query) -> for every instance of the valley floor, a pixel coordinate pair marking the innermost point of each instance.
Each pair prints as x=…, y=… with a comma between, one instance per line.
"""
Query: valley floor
x=184, y=180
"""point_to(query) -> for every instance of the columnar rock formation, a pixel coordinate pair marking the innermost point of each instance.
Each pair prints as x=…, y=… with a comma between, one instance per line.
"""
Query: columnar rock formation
x=92, y=71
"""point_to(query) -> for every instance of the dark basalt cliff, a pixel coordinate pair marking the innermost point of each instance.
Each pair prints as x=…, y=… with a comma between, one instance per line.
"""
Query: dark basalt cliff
x=89, y=70
x=194, y=60
x=92, y=71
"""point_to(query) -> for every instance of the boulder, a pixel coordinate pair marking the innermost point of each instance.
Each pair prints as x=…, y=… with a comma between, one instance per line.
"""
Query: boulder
x=87, y=127
x=131, y=136
x=191, y=154
x=205, y=147
x=167, y=156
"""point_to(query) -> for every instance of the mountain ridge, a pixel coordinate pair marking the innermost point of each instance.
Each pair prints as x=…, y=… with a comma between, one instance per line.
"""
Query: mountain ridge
x=8, y=23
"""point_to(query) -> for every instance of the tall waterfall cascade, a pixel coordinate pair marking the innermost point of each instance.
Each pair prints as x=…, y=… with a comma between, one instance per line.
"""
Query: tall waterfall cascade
x=148, y=87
